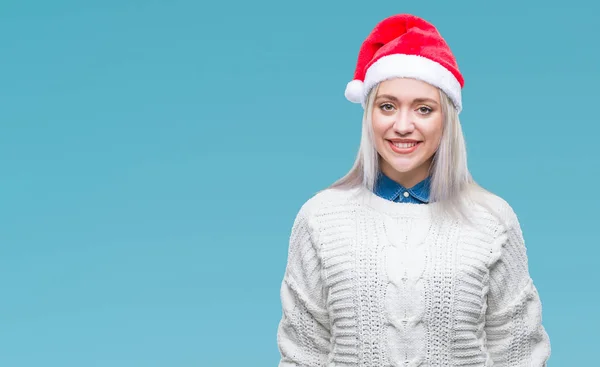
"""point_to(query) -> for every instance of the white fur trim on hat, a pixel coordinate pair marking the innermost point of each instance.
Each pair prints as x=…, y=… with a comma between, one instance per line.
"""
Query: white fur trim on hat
x=412, y=66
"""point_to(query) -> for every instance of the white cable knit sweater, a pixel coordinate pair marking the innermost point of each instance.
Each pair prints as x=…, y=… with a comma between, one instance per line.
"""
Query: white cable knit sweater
x=373, y=283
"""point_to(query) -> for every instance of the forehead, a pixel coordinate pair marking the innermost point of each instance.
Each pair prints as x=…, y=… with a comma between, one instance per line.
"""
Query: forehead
x=407, y=88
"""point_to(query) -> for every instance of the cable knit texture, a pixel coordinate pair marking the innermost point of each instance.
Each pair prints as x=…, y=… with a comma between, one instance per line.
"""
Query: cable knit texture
x=375, y=283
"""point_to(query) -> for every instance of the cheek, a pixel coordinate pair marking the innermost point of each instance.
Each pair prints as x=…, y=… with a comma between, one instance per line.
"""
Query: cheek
x=376, y=125
x=433, y=131
x=380, y=124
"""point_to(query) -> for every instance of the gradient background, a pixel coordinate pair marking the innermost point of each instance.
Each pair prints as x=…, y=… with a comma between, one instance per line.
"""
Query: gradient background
x=153, y=155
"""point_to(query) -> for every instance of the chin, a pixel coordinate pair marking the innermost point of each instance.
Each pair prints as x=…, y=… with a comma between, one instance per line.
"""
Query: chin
x=403, y=169
x=403, y=165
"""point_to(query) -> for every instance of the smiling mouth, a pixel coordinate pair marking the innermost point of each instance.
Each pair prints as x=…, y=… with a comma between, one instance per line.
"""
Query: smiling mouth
x=404, y=148
x=404, y=145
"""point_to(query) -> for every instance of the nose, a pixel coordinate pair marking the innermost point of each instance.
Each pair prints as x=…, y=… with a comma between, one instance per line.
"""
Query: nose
x=403, y=124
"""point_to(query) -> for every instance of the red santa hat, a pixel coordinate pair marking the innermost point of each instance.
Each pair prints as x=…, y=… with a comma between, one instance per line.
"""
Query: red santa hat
x=405, y=45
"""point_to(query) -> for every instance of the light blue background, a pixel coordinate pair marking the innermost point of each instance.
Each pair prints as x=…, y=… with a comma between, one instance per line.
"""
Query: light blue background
x=153, y=155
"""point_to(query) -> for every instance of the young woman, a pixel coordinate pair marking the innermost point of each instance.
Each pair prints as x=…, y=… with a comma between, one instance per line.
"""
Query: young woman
x=406, y=261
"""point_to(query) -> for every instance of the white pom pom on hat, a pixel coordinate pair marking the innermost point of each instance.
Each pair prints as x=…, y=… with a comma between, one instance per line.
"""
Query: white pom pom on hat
x=355, y=91
x=405, y=45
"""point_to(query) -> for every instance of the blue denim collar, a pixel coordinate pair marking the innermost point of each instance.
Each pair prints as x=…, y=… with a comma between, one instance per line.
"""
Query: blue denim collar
x=389, y=189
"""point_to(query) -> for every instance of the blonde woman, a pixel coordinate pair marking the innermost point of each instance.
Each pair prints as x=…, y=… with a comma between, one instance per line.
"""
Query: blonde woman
x=406, y=261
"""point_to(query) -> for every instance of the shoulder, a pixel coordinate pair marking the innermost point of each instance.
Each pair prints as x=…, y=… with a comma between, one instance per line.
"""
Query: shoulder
x=498, y=219
x=327, y=205
x=318, y=212
x=493, y=207
x=329, y=199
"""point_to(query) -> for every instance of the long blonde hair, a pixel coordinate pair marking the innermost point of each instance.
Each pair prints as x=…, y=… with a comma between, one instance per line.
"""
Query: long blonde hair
x=452, y=185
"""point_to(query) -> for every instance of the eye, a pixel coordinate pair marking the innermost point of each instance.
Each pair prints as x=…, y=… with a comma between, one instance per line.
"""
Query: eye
x=387, y=107
x=424, y=110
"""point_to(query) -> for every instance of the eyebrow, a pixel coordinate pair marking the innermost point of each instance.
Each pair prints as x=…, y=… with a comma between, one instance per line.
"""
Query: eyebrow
x=416, y=100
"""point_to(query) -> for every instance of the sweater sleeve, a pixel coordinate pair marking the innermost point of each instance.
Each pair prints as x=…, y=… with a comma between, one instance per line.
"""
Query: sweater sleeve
x=303, y=335
x=515, y=336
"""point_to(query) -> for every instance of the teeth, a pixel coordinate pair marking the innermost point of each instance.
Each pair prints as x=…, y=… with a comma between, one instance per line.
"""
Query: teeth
x=405, y=145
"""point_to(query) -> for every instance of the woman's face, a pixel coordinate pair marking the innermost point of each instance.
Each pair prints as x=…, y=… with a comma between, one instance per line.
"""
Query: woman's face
x=407, y=110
